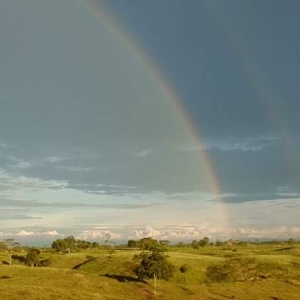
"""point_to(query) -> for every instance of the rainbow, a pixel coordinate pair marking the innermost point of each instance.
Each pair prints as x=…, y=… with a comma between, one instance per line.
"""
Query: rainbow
x=118, y=31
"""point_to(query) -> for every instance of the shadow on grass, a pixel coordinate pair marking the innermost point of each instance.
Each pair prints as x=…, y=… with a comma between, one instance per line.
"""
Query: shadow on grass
x=19, y=258
x=294, y=264
x=82, y=264
x=89, y=257
x=124, y=278
x=283, y=249
x=188, y=291
x=5, y=277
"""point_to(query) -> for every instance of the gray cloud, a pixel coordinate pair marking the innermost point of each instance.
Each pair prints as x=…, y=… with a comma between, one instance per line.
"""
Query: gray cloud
x=70, y=204
x=83, y=117
x=144, y=153
x=16, y=214
x=253, y=172
x=256, y=198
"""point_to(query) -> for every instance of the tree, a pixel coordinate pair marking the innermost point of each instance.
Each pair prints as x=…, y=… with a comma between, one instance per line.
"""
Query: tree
x=95, y=245
x=108, y=240
x=180, y=244
x=131, y=244
x=69, y=243
x=164, y=243
x=203, y=242
x=195, y=244
x=218, y=243
x=154, y=265
x=32, y=258
x=59, y=245
x=10, y=244
x=148, y=243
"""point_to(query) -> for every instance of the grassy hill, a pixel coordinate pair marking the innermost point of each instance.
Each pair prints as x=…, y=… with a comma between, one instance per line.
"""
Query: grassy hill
x=255, y=273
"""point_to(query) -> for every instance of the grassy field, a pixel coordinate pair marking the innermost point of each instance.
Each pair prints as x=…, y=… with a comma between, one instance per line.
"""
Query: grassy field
x=259, y=272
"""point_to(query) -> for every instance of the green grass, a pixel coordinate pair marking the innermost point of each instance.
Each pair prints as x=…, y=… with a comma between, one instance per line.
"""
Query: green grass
x=93, y=275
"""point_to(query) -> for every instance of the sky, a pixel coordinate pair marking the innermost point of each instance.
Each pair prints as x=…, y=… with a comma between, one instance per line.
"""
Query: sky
x=175, y=120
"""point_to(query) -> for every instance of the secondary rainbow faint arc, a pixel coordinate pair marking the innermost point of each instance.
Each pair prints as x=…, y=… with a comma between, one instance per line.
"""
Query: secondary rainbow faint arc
x=262, y=86
x=126, y=38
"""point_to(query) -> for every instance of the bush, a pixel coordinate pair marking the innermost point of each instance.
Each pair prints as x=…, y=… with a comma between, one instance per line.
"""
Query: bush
x=185, y=268
x=154, y=263
x=32, y=258
x=45, y=262
x=232, y=270
x=244, y=269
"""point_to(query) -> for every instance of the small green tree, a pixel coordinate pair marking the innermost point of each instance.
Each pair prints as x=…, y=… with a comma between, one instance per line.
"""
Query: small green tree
x=195, y=244
x=154, y=264
x=68, y=243
x=203, y=242
x=218, y=243
x=95, y=245
x=131, y=244
x=148, y=243
x=59, y=245
x=32, y=258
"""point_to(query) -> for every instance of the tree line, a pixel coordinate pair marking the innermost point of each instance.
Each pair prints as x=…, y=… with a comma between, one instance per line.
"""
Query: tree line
x=70, y=243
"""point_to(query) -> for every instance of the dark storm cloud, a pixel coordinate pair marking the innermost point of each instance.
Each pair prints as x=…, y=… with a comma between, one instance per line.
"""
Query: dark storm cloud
x=78, y=108
x=253, y=169
x=257, y=173
x=237, y=78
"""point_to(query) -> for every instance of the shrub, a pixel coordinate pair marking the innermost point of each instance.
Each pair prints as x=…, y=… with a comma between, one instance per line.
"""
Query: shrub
x=244, y=269
x=154, y=263
x=232, y=270
x=185, y=268
x=45, y=262
x=32, y=258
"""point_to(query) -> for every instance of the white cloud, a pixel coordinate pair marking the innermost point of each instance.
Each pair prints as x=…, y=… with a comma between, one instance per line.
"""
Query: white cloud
x=23, y=165
x=256, y=143
x=9, y=182
x=185, y=233
x=286, y=191
x=148, y=232
x=54, y=159
x=96, y=234
x=116, y=186
x=27, y=233
x=4, y=145
x=144, y=153
x=197, y=232
x=19, y=163
x=51, y=233
x=75, y=169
